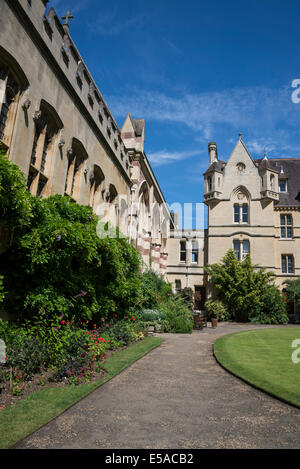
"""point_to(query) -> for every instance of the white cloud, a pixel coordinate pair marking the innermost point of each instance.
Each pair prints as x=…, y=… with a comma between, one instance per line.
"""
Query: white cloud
x=163, y=157
x=259, y=111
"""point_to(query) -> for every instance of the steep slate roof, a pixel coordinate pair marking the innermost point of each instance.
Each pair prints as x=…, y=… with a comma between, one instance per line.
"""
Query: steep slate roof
x=291, y=172
x=138, y=125
x=288, y=168
x=216, y=166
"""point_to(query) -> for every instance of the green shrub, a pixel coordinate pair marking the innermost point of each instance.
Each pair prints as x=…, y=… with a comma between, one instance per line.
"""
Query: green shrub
x=2, y=293
x=27, y=353
x=240, y=286
x=148, y=315
x=187, y=295
x=155, y=289
x=216, y=309
x=273, y=309
x=178, y=317
x=293, y=290
x=15, y=200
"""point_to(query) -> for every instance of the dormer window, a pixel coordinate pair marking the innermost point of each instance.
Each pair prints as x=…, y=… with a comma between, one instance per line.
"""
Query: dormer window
x=283, y=185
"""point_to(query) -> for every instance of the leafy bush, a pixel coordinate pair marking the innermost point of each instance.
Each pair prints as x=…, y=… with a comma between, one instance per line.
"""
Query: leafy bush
x=15, y=200
x=155, y=289
x=293, y=290
x=59, y=256
x=2, y=294
x=178, y=317
x=242, y=287
x=27, y=353
x=187, y=295
x=273, y=309
x=216, y=309
x=149, y=315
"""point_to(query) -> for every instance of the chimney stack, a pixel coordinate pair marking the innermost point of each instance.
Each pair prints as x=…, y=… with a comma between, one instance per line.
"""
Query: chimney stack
x=213, y=153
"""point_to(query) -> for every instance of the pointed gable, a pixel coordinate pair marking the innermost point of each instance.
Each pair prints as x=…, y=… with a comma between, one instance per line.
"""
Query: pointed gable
x=241, y=170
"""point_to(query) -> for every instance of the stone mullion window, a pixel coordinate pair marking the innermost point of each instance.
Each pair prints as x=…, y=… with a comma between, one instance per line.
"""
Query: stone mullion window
x=241, y=249
x=70, y=175
x=95, y=193
x=10, y=92
x=241, y=213
x=195, y=252
x=182, y=251
x=42, y=150
x=36, y=187
x=75, y=188
x=286, y=226
x=287, y=264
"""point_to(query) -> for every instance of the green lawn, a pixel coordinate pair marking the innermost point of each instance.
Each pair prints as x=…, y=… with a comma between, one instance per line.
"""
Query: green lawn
x=26, y=416
x=263, y=358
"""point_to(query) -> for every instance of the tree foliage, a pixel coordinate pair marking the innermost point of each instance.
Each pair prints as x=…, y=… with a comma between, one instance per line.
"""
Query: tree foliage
x=293, y=290
x=246, y=289
x=57, y=262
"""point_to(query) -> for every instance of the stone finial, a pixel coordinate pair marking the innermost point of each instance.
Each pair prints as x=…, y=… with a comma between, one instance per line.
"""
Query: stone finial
x=213, y=152
x=67, y=18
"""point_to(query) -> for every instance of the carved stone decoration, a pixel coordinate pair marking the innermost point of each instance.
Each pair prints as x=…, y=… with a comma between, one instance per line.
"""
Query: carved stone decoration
x=62, y=141
x=80, y=69
x=26, y=105
x=241, y=196
x=241, y=168
x=66, y=44
x=70, y=152
x=37, y=116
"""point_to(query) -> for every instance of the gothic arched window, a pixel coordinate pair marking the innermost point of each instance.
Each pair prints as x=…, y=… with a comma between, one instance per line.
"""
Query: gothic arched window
x=76, y=158
x=47, y=127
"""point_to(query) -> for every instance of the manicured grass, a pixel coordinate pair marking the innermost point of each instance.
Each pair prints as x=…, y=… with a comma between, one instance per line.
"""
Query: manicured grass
x=263, y=358
x=26, y=416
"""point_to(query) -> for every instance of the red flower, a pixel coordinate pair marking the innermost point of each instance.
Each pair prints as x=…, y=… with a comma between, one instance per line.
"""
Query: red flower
x=116, y=315
x=107, y=325
x=68, y=323
x=62, y=322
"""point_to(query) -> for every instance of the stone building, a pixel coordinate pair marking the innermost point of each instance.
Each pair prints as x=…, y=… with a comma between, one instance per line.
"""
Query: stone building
x=56, y=126
x=253, y=207
x=187, y=256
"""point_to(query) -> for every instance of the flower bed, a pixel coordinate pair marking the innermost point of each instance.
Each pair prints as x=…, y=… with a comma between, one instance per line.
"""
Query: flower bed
x=57, y=352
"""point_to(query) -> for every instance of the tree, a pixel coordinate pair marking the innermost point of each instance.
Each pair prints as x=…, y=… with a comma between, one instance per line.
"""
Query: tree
x=293, y=290
x=241, y=286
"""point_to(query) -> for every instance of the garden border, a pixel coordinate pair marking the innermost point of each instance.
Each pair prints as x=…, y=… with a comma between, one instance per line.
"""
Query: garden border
x=101, y=383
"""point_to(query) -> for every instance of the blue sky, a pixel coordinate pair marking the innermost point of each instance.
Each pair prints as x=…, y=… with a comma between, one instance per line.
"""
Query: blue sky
x=196, y=71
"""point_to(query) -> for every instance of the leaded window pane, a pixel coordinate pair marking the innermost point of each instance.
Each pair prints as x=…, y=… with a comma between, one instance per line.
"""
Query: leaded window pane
x=236, y=214
x=245, y=213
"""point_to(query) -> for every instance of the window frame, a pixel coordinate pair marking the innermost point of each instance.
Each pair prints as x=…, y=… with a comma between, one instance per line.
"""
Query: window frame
x=182, y=251
x=285, y=227
x=241, y=251
x=286, y=258
x=239, y=214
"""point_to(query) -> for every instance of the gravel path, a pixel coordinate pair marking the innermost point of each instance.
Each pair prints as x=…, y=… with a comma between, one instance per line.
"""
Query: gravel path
x=175, y=397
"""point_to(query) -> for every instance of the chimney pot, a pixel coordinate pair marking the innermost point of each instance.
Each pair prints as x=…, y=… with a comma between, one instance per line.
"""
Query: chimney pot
x=213, y=152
